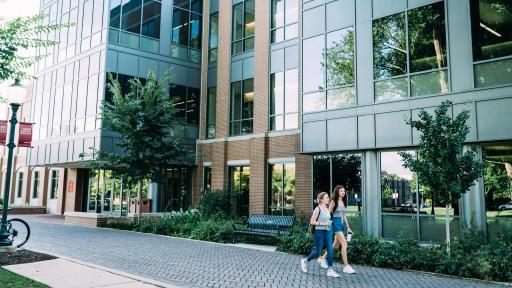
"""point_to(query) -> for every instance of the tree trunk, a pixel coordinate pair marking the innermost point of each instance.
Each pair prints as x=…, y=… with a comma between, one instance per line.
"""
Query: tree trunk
x=432, y=210
x=447, y=216
x=439, y=59
x=139, y=204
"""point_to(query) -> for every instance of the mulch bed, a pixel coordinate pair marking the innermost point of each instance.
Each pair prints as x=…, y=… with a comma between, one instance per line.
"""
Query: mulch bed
x=22, y=257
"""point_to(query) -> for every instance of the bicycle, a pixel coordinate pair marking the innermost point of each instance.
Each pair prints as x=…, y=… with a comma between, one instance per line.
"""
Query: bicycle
x=19, y=231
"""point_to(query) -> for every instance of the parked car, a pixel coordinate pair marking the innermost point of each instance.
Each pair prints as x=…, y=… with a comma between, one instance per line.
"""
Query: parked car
x=507, y=206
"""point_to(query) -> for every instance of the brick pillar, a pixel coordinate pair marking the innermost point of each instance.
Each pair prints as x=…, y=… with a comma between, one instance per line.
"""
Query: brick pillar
x=261, y=66
x=70, y=201
x=303, y=183
x=61, y=192
x=27, y=170
x=258, y=177
x=45, y=179
x=204, y=71
x=219, y=167
x=223, y=71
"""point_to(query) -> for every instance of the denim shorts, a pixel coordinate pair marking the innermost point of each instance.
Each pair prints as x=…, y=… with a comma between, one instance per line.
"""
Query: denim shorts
x=338, y=225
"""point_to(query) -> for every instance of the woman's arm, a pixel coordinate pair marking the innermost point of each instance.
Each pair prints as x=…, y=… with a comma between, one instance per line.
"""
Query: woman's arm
x=331, y=205
x=346, y=222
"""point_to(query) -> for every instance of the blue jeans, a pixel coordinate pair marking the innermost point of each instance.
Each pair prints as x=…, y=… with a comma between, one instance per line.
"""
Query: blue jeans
x=322, y=237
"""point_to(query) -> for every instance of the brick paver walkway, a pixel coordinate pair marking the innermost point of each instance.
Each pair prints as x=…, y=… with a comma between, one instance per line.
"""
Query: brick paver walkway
x=189, y=263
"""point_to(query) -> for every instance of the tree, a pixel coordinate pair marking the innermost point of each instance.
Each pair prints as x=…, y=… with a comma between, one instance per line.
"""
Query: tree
x=144, y=118
x=442, y=164
x=17, y=35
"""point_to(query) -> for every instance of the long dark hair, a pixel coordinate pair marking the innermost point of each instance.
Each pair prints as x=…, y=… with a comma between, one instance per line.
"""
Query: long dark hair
x=336, y=196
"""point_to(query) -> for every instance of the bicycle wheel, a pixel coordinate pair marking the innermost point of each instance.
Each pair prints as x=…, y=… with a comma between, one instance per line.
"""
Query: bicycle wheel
x=19, y=230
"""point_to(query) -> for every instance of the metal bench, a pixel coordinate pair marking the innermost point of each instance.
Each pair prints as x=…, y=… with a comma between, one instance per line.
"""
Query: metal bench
x=268, y=226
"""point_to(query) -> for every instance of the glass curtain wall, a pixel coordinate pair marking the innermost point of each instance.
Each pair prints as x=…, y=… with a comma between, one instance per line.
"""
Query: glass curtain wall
x=491, y=27
x=410, y=210
x=178, y=189
x=284, y=21
x=282, y=189
x=186, y=30
x=187, y=104
x=243, y=27
x=284, y=102
x=410, y=54
x=341, y=169
x=136, y=24
x=498, y=189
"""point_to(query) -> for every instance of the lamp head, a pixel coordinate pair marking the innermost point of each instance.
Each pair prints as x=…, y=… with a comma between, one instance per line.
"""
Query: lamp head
x=16, y=92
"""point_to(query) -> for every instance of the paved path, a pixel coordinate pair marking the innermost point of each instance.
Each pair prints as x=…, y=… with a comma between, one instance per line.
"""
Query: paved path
x=188, y=263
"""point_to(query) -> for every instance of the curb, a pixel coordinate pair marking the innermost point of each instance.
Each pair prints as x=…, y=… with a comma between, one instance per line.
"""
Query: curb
x=113, y=271
x=458, y=277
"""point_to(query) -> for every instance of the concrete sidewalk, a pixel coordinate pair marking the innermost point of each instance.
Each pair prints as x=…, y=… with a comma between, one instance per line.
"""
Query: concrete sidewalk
x=66, y=274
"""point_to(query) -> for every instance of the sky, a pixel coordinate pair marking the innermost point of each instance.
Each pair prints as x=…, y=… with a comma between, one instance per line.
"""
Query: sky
x=11, y=9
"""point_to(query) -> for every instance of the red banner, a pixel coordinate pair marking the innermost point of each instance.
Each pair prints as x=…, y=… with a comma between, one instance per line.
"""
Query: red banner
x=25, y=136
x=3, y=131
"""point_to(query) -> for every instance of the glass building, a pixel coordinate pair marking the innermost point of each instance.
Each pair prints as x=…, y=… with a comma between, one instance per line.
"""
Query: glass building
x=283, y=99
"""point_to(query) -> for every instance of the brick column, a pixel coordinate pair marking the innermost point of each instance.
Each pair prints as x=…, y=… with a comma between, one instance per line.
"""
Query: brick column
x=223, y=70
x=219, y=167
x=261, y=66
x=258, y=177
x=303, y=183
x=204, y=70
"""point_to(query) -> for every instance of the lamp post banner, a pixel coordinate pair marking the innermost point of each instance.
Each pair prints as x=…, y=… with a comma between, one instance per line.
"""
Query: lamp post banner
x=25, y=136
x=3, y=131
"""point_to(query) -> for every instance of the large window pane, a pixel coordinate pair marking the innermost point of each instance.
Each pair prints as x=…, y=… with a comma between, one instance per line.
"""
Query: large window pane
x=178, y=94
x=213, y=37
x=277, y=93
x=491, y=22
x=389, y=46
x=248, y=99
x=340, y=58
x=131, y=16
x=313, y=63
x=427, y=37
x=193, y=106
x=493, y=73
x=321, y=175
x=236, y=101
x=180, y=23
x=396, y=88
x=292, y=11
x=211, y=112
x=429, y=83
x=151, y=19
x=398, y=184
x=195, y=31
x=238, y=18
x=291, y=91
x=239, y=182
x=277, y=13
x=182, y=4
x=276, y=195
x=313, y=102
x=115, y=13
x=249, y=18
x=341, y=97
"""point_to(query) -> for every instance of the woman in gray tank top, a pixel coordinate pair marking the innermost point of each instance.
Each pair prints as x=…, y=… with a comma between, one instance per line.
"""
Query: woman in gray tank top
x=339, y=227
x=321, y=219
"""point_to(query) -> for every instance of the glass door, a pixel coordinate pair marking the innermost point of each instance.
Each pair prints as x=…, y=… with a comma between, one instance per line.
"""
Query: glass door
x=94, y=197
x=239, y=182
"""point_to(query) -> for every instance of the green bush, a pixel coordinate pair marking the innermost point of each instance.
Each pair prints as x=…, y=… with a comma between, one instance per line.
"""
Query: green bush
x=215, y=202
x=297, y=243
x=214, y=231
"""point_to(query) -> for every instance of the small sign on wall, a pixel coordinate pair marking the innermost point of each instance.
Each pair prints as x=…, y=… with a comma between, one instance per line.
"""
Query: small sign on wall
x=71, y=185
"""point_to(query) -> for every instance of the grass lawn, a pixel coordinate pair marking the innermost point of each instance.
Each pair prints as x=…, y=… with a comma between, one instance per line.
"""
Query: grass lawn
x=12, y=280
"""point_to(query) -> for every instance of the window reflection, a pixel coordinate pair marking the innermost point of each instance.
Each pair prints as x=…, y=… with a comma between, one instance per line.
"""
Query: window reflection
x=211, y=112
x=314, y=79
x=284, y=20
x=243, y=26
x=389, y=46
x=187, y=103
x=186, y=31
x=239, y=182
x=339, y=58
x=284, y=100
x=214, y=34
x=242, y=106
x=282, y=196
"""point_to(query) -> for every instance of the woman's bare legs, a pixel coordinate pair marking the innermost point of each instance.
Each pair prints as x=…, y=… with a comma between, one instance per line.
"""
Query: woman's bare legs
x=339, y=239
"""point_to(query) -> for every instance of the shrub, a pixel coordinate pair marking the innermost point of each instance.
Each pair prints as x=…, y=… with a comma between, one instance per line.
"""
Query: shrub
x=214, y=231
x=297, y=243
x=215, y=202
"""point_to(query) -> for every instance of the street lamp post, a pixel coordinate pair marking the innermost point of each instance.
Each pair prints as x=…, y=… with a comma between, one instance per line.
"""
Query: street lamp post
x=15, y=96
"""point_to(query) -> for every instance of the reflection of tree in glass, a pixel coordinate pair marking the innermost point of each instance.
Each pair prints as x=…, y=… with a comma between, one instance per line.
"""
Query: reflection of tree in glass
x=289, y=185
x=427, y=40
x=338, y=59
x=497, y=184
x=389, y=46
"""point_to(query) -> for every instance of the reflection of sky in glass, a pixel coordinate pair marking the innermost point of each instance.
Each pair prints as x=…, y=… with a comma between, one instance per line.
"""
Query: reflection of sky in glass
x=313, y=78
x=392, y=163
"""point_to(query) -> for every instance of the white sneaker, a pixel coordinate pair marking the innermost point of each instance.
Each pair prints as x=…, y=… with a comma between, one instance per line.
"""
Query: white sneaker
x=322, y=262
x=349, y=270
x=332, y=273
x=304, y=265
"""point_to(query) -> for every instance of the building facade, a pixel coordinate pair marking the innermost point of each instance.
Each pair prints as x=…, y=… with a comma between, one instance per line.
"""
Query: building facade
x=284, y=99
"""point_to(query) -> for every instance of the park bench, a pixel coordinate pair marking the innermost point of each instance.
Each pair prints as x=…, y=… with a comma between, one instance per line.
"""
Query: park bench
x=268, y=226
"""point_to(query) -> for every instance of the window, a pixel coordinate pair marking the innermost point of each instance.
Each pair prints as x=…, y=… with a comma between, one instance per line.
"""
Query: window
x=285, y=15
x=412, y=64
x=211, y=112
x=187, y=103
x=282, y=187
x=332, y=68
x=19, y=186
x=186, y=30
x=35, y=185
x=213, y=40
x=497, y=175
x=410, y=210
x=491, y=23
x=341, y=169
x=242, y=105
x=239, y=182
x=135, y=23
x=207, y=177
x=284, y=102
x=54, y=184
x=243, y=27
